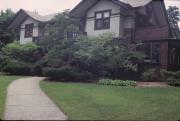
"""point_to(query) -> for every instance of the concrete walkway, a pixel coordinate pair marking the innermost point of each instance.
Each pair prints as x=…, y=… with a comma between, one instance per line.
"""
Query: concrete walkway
x=26, y=101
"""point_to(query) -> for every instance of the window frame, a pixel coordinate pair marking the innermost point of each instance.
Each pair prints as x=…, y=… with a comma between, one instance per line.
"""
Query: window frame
x=103, y=19
x=28, y=30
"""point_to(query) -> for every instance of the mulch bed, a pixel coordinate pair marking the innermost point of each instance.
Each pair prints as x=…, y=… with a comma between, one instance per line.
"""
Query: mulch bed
x=153, y=84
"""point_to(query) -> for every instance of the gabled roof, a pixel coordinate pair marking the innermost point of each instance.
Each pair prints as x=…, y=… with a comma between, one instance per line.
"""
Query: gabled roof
x=136, y=3
x=23, y=14
x=40, y=18
x=84, y=5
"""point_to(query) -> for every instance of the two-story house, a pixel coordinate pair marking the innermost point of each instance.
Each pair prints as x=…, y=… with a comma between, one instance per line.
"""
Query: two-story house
x=30, y=25
x=137, y=21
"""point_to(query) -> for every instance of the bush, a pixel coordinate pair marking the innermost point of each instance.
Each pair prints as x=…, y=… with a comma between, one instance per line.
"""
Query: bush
x=16, y=67
x=174, y=82
x=21, y=59
x=153, y=75
x=171, y=74
x=29, y=52
x=117, y=82
x=67, y=73
x=149, y=75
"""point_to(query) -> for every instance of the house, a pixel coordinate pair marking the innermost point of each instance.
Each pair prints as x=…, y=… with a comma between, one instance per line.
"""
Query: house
x=31, y=25
x=137, y=21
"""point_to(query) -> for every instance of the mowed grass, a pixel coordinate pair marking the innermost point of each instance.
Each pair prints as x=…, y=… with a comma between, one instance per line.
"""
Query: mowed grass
x=95, y=102
x=4, y=82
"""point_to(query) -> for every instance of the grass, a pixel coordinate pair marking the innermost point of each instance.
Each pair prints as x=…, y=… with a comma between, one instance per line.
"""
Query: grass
x=95, y=102
x=4, y=82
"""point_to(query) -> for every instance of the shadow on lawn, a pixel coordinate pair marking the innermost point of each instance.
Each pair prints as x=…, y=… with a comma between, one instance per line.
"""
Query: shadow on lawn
x=72, y=81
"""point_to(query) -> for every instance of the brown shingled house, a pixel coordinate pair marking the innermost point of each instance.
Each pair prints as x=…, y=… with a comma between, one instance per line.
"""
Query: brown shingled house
x=142, y=21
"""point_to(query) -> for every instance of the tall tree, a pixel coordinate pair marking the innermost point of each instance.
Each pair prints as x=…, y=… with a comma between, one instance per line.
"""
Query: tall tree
x=174, y=18
x=6, y=35
x=58, y=30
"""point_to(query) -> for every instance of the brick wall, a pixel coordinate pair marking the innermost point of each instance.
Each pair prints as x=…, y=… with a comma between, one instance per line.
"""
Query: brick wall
x=164, y=54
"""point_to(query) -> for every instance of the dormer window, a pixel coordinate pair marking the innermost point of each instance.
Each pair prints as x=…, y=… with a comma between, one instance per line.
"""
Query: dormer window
x=102, y=20
x=29, y=30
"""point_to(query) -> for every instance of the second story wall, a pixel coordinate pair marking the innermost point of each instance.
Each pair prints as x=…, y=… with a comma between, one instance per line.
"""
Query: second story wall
x=101, y=10
x=24, y=31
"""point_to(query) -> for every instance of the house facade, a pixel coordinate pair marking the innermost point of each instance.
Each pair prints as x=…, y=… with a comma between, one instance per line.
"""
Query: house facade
x=31, y=25
x=142, y=22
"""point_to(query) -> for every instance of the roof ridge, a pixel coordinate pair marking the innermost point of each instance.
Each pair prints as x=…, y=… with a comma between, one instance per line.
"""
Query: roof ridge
x=39, y=17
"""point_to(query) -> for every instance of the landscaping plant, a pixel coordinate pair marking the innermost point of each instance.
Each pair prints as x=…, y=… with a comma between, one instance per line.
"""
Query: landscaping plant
x=117, y=82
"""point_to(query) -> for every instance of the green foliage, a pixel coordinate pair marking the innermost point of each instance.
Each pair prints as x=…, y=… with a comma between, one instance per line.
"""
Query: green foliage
x=173, y=82
x=21, y=59
x=174, y=18
x=6, y=35
x=171, y=74
x=153, y=75
x=96, y=55
x=67, y=73
x=171, y=77
x=99, y=56
x=16, y=67
x=117, y=82
x=56, y=31
x=149, y=75
x=28, y=52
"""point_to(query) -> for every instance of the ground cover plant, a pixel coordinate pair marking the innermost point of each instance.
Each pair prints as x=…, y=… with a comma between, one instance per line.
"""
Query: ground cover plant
x=117, y=82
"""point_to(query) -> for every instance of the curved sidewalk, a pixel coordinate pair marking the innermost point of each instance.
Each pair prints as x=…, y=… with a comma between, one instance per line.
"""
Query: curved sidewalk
x=26, y=101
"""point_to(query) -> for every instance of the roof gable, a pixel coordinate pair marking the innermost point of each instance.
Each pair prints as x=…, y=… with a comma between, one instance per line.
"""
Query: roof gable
x=23, y=14
x=136, y=3
x=85, y=5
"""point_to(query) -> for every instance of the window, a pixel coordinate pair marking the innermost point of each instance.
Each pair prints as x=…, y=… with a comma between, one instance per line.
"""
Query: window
x=151, y=52
x=102, y=20
x=29, y=30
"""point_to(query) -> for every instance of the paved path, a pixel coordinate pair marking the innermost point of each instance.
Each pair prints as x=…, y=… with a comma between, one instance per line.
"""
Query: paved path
x=26, y=101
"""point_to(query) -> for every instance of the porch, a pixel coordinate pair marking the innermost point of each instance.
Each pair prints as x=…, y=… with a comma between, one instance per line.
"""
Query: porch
x=162, y=53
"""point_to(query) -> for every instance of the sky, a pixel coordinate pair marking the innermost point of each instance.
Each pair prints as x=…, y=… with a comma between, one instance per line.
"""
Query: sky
x=45, y=7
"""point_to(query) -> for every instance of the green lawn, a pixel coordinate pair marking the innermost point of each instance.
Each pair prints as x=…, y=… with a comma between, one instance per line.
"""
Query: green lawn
x=4, y=82
x=95, y=102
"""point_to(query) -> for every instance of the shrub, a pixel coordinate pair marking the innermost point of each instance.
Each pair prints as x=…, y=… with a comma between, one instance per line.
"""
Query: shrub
x=149, y=75
x=152, y=75
x=171, y=74
x=29, y=52
x=67, y=73
x=117, y=82
x=174, y=82
x=16, y=67
x=21, y=59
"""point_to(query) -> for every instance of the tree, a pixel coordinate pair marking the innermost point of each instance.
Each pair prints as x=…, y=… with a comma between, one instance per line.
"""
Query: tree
x=174, y=18
x=57, y=30
x=6, y=35
x=101, y=56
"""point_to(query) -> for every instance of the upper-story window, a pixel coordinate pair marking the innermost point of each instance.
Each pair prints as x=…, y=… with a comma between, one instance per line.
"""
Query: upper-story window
x=29, y=30
x=102, y=20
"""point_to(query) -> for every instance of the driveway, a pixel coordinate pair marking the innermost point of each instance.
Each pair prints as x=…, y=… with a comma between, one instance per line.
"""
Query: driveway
x=26, y=101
